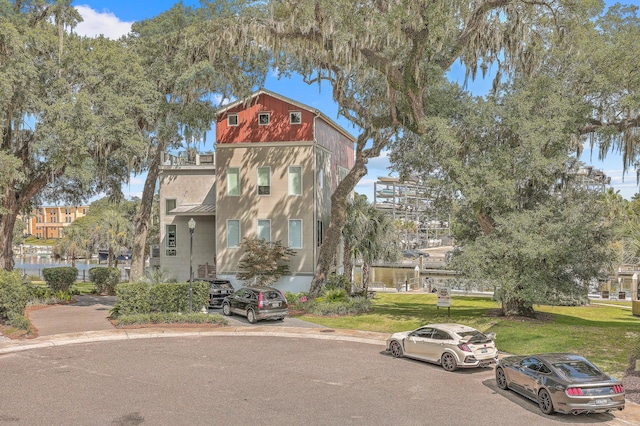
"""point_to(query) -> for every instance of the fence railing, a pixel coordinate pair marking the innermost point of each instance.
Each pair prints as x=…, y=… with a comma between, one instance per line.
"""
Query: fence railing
x=83, y=275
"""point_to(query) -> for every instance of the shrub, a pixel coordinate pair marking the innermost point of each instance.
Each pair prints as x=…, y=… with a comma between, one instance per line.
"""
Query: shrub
x=142, y=298
x=105, y=279
x=297, y=301
x=18, y=321
x=169, y=297
x=60, y=279
x=336, y=282
x=39, y=292
x=171, y=318
x=333, y=295
x=132, y=298
x=14, y=296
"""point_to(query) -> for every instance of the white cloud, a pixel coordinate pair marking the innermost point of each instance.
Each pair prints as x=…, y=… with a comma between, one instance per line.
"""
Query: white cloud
x=97, y=23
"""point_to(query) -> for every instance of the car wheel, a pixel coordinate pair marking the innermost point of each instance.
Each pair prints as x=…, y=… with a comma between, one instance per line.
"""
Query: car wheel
x=448, y=362
x=251, y=316
x=544, y=402
x=396, y=349
x=226, y=309
x=280, y=319
x=501, y=378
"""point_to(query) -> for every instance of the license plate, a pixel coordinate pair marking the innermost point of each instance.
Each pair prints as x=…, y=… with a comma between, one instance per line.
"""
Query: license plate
x=602, y=401
x=483, y=350
x=276, y=304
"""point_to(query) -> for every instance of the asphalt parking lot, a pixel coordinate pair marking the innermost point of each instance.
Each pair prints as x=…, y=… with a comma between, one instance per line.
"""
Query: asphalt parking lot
x=250, y=380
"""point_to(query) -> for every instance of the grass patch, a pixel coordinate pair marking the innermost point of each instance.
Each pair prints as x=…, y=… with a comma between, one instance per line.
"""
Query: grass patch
x=603, y=334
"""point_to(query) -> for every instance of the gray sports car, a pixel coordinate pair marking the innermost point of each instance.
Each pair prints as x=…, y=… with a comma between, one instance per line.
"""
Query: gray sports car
x=565, y=383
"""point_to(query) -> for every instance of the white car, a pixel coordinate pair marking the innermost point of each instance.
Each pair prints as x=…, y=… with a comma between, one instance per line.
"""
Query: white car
x=452, y=346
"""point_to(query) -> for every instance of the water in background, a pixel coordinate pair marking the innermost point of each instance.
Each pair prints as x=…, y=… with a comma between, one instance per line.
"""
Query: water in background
x=34, y=264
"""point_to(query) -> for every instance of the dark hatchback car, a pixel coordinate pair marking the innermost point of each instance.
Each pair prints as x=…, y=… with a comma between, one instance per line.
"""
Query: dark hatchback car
x=256, y=303
x=218, y=290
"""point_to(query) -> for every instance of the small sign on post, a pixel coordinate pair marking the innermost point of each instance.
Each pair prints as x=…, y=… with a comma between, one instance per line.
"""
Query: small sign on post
x=444, y=299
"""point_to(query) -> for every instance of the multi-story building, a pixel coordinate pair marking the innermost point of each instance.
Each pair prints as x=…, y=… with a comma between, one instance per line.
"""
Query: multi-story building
x=276, y=164
x=50, y=221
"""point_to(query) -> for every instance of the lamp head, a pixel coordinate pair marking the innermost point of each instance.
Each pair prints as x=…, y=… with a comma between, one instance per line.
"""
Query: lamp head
x=192, y=224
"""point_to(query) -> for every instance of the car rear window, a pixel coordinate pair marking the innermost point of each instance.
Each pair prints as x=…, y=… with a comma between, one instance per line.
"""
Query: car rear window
x=577, y=370
x=271, y=295
x=475, y=336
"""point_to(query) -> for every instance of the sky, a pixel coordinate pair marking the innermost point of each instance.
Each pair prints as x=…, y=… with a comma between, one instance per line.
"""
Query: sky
x=113, y=18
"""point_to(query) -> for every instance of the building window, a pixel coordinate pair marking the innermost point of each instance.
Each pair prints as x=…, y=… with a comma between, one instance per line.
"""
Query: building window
x=295, y=233
x=264, y=181
x=53, y=212
x=233, y=233
x=295, y=180
x=169, y=204
x=67, y=211
x=295, y=117
x=264, y=230
x=321, y=179
x=233, y=181
x=68, y=219
x=320, y=233
x=170, y=235
x=232, y=120
x=264, y=118
x=84, y=211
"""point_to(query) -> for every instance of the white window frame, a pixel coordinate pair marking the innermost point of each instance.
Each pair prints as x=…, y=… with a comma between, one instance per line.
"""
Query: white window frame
x=292, y=244
x=239, y=189
x=230, y=121
x=236, y=221
x=268, y=186
x=261, y=121
x=290, y=177
x=295, y=117
x=264, y=224
x=321, y=179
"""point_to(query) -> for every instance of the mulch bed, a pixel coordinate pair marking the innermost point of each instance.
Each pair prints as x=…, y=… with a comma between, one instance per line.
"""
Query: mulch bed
x=631, y=383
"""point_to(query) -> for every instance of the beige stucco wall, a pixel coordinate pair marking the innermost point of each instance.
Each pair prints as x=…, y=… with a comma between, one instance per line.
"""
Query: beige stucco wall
x=278, y=207
x=188, y=185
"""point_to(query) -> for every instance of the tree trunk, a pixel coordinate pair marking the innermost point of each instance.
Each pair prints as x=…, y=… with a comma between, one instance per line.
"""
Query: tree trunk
x=348, y=266
x=365, y=278
x=141, y=225
x=7, y=221
x=515, y=305
x=338, y=219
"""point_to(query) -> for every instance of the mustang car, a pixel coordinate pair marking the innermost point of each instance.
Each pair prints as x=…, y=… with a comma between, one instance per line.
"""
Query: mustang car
x=564, y=383
x=452, y=346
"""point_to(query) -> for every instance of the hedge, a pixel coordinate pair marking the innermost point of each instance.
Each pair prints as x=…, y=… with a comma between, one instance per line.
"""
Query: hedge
x=105, y=279
x=60, y=279
x=144, y=298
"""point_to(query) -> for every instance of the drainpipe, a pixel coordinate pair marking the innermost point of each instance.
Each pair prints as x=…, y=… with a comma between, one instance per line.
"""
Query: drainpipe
x=315, y=196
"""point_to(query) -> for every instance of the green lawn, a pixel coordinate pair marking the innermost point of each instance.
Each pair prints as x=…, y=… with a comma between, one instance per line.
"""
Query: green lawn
x=604, y=334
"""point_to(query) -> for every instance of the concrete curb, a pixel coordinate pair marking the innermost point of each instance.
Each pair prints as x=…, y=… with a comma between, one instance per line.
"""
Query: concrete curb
x=148, y=333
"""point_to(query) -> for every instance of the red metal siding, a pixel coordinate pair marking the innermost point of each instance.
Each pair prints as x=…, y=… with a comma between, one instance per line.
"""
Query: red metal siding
x=279, y=128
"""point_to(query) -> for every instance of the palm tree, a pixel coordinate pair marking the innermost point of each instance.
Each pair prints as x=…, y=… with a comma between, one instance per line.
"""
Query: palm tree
x=115, y=233
x=369, y=235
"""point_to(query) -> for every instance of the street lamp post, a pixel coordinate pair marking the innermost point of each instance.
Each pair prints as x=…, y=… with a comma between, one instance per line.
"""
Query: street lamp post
x=192, y=227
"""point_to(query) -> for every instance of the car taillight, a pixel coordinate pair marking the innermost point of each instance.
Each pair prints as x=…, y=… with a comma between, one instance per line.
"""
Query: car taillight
x=574, y=391
x=260, y=301
x=464, y=347
x=284, y=297
x=618, y=389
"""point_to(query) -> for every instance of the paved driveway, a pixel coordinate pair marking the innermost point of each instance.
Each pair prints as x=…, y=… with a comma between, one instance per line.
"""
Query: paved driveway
x=250, y=380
